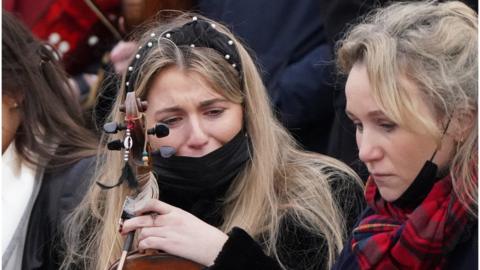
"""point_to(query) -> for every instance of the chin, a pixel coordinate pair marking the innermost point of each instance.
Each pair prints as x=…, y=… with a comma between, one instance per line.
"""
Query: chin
x=389, y=195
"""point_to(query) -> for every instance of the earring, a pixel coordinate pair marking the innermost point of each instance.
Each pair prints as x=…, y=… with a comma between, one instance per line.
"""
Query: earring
x=15, y=105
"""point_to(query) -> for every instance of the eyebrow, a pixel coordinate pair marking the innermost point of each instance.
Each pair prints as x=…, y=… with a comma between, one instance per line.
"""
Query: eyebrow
x=375, y=113
x=209, y=102
x=202, y=104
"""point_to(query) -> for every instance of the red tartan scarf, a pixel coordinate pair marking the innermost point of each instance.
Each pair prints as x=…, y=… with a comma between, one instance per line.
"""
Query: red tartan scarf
x=395, y=238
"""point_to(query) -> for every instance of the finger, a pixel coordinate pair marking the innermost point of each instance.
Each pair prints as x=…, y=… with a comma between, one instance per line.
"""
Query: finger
x=153, y=242
x=152, y=232
x=137, y=223
x=156, y=206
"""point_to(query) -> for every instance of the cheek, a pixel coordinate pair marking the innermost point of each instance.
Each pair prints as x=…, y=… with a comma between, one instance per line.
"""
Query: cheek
x=230, y=125
x=445, y=153
x=358, y=138
x=409, y=157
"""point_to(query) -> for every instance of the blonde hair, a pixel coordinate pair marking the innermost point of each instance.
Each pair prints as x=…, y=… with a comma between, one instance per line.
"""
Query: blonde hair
x=434, y=45
x=279, y=180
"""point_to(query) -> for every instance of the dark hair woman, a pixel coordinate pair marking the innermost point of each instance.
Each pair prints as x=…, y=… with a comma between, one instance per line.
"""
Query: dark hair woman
x=45, y=149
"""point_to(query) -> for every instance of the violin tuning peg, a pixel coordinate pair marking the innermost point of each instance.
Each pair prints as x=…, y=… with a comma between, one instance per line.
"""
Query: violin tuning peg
x=160, y=130
x=115, y=145
x=113, y=127
x=144, y=105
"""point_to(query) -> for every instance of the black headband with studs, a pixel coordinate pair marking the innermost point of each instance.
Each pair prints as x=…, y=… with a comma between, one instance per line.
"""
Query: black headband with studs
x=197, y=33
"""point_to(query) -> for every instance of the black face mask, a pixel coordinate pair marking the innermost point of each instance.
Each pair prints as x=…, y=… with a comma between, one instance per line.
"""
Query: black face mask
x=420, y=187
x=422, y=184
x=198, y=184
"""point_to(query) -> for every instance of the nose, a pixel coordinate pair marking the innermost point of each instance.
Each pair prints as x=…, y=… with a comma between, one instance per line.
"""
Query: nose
x=369, y=149
x=198, y=137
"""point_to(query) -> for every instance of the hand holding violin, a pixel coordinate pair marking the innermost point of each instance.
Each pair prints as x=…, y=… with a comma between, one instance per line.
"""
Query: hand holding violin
x=176, y=232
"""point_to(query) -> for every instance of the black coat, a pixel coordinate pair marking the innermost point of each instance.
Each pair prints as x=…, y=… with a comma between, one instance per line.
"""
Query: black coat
x=61, y=190
x=464, y=256
x=297, y=247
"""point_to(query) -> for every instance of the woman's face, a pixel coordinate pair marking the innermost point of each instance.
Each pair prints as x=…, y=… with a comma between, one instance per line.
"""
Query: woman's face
x=393, y=155
x=200, y=120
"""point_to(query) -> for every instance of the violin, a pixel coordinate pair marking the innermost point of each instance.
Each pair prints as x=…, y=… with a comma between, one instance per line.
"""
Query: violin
x=156, y=260
x=136, y=156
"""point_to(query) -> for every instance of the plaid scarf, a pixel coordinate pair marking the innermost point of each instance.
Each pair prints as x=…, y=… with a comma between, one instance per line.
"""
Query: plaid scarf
x=419, y=238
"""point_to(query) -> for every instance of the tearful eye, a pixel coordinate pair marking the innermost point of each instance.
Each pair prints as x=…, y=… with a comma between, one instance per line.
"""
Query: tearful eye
x=214, y=112
x=172, y=121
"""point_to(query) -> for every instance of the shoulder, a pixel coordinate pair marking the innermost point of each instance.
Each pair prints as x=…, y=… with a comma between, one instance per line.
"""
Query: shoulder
x=299, y=247
x=241, y=251
x=347, y=259
x=63, y=188
x=344, y=185
x=71, y=176
x=348, y=194
x=328, y=175
x=465, y=255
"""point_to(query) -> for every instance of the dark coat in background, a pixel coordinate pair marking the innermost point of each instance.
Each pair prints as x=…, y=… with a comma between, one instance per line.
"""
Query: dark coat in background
x=287, y=38
x=61, y=191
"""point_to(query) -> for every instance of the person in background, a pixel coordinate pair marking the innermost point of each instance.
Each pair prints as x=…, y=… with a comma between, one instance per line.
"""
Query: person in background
x=412, y=94
x=288, y=41
x=238, y=193
x=337, y=17
x=46, y=151
x=80, y=31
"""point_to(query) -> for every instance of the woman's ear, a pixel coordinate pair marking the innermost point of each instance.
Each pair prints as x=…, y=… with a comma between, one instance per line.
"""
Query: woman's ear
x=462, y=123
x=11, y=119
x=10, y=102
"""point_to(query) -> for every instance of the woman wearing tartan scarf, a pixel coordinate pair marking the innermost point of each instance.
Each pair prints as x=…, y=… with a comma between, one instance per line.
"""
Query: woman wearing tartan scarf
x=412, y=94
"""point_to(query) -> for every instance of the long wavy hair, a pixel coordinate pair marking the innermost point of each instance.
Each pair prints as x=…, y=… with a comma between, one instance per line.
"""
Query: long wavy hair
x=280, y=178
x=434, y=45
x=51, y=127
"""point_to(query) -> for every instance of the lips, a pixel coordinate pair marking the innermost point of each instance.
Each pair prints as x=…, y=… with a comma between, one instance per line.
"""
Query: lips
x=376, y=175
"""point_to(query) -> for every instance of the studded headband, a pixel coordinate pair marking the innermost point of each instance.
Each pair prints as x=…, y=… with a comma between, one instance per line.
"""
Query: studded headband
x=197, y=33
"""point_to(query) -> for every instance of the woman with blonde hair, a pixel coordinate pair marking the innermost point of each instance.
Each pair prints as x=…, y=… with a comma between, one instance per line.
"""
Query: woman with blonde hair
x=412, y=93
x=237, y=193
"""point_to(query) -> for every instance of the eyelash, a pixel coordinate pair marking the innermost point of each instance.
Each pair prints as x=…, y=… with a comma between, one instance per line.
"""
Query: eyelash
x=358, y=126
x=171, y=121
x=388, y=127
x=213, y=113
